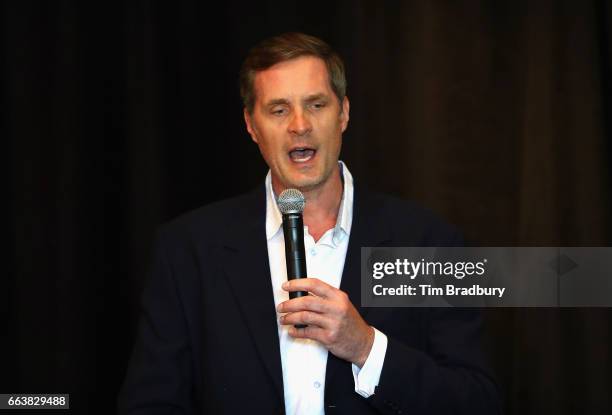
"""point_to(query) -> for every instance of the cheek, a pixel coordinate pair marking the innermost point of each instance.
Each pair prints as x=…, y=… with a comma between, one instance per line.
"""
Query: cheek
x=271, y=148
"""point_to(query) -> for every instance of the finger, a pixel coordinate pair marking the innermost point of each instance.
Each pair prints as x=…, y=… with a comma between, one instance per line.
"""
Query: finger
x=305, y=317
x=309, y=303
x=313, y=285
x=309, y=332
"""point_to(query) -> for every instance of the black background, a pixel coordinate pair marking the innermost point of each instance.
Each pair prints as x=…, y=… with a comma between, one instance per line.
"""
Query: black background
x=120, y=116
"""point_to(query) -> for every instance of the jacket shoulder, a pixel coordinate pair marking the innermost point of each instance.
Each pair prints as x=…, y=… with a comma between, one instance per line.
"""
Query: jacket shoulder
x=412, y=224
x=212, y=220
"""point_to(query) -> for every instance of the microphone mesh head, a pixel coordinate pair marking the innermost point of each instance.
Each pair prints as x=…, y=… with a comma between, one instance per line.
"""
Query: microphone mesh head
x=291, y=201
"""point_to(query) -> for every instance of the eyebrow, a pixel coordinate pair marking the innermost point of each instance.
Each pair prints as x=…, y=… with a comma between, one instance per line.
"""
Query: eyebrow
x=307, y=99
x=277, y=101
x=315, y=97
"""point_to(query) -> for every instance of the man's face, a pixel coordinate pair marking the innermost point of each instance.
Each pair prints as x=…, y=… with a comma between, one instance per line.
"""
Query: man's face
x=297, y=122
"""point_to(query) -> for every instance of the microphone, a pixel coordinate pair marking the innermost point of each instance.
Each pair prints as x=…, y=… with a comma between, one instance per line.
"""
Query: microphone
x=291, y=204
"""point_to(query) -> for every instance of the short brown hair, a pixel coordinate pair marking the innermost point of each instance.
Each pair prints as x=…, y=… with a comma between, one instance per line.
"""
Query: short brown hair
x=285, y=47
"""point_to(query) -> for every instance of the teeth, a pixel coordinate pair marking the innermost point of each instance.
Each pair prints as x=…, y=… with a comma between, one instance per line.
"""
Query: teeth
x=301, y=155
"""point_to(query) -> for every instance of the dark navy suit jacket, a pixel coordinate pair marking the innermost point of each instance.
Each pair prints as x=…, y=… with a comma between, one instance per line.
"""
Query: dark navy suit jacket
x=208, y=338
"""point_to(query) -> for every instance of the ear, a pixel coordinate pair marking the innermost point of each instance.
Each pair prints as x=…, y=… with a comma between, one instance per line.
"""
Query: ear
x=344, y=115
x=249, y=125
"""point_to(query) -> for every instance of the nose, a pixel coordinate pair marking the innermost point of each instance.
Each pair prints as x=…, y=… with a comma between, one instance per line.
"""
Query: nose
x=300, y=124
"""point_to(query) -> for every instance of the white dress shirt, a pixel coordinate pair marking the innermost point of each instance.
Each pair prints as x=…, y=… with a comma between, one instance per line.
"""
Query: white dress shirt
x=304, y=361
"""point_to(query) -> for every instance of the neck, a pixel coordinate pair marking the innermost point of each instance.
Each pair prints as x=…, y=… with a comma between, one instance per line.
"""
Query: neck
x=322, y=204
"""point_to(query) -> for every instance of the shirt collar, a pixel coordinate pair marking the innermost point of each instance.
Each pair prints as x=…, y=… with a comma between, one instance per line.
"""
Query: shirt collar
x=274, y=218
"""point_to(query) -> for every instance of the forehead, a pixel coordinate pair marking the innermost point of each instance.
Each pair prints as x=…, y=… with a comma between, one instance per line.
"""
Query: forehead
x=306, y=75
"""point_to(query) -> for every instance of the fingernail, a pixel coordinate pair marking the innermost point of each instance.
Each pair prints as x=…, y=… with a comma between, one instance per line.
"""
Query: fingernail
x=285, y=284
x=279, y=307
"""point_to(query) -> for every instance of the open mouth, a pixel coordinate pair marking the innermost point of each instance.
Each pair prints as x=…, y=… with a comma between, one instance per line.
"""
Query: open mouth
x=302, y=154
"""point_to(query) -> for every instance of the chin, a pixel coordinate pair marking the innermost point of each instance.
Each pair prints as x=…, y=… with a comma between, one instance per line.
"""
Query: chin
x=305, y=183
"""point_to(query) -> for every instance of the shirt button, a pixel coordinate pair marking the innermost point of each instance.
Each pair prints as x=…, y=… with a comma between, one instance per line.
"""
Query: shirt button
x=313, y=252
x=317, y=385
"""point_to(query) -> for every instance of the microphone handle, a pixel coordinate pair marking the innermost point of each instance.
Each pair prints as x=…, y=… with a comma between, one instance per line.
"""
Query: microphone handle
x=295, y=254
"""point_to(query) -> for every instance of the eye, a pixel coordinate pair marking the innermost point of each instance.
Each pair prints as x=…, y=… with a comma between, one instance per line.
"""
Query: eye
x=279, y=111
x=318, y=105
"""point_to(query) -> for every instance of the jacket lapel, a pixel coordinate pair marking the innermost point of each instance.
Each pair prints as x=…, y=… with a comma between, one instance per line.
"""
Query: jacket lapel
x=369, y=228
x=246, y=266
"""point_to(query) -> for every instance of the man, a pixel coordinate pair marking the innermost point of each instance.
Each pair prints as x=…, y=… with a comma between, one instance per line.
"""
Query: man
x=218, y=331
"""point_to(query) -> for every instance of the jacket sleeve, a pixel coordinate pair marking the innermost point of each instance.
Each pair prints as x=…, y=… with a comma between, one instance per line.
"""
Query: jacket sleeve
x=159, y=375
x=451, y=378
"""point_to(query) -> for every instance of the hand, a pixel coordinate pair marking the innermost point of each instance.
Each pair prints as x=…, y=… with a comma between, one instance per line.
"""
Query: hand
x=331, y=318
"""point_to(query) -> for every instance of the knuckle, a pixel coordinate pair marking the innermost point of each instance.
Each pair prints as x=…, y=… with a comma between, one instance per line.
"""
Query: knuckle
x=314, y=304
x=343, y=310
x=308, y=301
